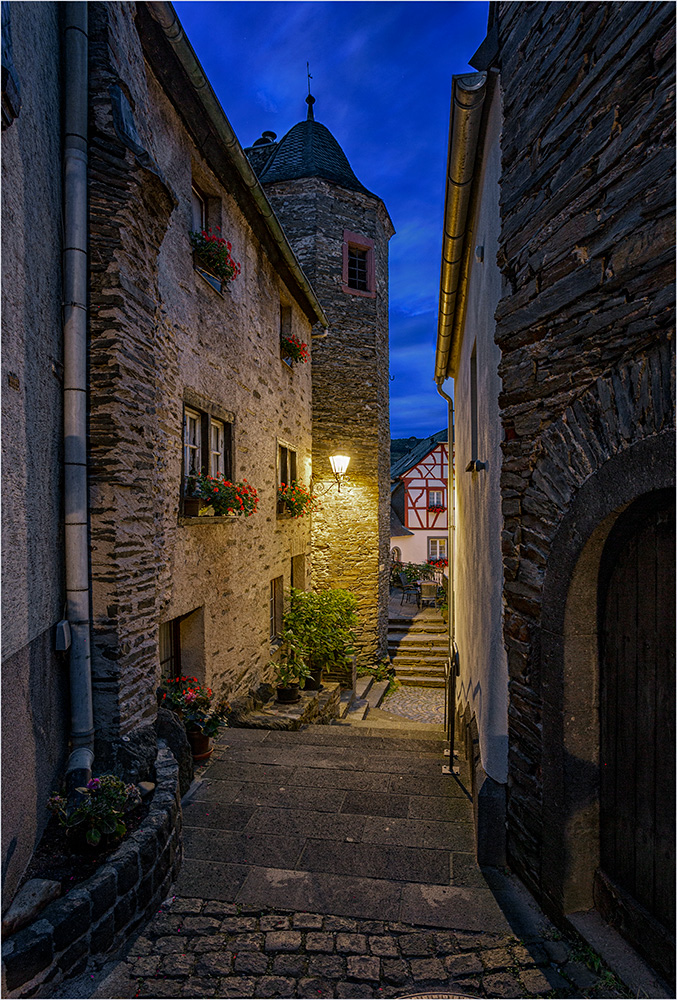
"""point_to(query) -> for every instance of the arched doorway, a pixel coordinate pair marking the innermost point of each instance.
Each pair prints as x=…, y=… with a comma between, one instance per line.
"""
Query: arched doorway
x=635, y=883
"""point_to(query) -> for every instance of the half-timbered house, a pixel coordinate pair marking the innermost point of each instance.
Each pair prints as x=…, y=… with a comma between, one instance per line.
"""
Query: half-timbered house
x=419, y=501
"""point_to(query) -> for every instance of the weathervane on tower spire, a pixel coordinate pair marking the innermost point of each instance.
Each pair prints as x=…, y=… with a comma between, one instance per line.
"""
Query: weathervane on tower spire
x=310, y=100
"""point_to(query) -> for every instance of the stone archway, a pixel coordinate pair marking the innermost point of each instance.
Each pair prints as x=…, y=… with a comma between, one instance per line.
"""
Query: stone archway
x=570, y=675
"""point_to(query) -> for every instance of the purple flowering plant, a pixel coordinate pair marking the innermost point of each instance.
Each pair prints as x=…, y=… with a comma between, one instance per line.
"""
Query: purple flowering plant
x=99, y=809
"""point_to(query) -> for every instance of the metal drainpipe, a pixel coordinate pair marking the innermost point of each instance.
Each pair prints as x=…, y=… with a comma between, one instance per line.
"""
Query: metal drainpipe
x=451, y=507
x=75, y=84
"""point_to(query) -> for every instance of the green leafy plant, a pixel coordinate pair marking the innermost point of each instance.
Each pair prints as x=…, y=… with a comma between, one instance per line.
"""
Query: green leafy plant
x=98, y=810
x=297, y=498
x=322, y=625
x=417, y=571
x=215, y=252
x=295, y=348
x=193, y=703
x=223, y=496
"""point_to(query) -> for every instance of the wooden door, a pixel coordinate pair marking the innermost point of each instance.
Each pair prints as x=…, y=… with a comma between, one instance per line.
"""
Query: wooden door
x=635, y=887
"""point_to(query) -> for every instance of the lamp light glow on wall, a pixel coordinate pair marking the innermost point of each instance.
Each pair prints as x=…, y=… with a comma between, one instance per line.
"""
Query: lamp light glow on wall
x=339, y=464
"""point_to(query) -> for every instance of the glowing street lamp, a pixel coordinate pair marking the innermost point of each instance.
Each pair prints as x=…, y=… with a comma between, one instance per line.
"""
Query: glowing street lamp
x=339, y=464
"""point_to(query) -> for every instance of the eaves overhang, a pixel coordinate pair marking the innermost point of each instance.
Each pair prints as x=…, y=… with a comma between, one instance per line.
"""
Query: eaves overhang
x=179, y=71
x=467, y=104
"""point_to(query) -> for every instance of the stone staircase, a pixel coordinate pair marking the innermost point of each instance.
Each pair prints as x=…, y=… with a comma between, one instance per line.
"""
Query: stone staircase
x=355, y=704
x=418, y=648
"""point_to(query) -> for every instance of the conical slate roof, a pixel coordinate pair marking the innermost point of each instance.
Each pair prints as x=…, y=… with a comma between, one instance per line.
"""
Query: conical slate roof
x=307, y=150
x=310, y=150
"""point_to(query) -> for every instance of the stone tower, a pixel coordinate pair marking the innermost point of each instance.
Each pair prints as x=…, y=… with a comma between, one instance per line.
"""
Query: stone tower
x=340, y=232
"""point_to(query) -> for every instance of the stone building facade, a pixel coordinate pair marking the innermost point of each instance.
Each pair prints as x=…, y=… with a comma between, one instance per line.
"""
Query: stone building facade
x=586, y=332
x=585, y=400
x=331, y=219
x=169, y=590
x=164, y=341
x=34, y=678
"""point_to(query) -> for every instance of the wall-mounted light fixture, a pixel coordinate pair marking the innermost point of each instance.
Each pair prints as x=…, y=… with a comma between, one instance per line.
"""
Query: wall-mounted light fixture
x=339, y=464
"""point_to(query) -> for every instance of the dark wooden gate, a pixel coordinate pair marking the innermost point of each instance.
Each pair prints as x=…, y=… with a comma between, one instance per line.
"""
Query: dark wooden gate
x=635, y=887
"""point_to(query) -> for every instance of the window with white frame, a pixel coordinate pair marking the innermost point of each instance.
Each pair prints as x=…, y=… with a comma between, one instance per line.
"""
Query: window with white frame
x=207, y=445
x=437, y=548
x=199, y=209
x=435, y=499
x=192, y=442
x=217, y=453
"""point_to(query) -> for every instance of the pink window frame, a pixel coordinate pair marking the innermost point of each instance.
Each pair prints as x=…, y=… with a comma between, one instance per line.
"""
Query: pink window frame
x=362, y=243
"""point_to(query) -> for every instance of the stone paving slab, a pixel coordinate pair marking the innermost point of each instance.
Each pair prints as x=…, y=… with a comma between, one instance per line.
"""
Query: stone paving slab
x=301, y=823
x=385, y=861
x=452, y=906
x=211, y=880
x=349, y=895
x=337, y=778
x=418, y=833
x=242, y=848
x=375, y=804
x=263, y=794
x=444, y=784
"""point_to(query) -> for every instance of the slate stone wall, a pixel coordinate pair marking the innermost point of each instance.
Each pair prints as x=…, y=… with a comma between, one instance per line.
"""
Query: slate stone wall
x=162, y=336
x=351, y=534
x=586, y=321
x=101, y=913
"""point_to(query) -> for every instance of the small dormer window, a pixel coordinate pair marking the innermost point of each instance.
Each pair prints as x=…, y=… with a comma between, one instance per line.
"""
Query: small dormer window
x=358, y=265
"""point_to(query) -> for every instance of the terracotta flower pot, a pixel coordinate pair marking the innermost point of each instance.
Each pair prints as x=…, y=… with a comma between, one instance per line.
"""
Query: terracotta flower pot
x=288, y=695
x=199, y=744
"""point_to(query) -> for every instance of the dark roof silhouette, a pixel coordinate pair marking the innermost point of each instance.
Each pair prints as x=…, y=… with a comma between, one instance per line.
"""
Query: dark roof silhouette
x=417, y=454
x=310, y=150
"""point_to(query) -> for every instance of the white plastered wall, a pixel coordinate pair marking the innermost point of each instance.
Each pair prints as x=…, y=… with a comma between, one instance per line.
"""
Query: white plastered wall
x=483, y=682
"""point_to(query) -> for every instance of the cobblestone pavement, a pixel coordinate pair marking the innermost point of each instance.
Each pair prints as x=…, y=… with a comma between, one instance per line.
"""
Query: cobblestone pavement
x=417, y=703
x=332, y=862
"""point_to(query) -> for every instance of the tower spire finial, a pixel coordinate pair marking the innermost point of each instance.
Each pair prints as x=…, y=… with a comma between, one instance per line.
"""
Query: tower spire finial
x=310, y=100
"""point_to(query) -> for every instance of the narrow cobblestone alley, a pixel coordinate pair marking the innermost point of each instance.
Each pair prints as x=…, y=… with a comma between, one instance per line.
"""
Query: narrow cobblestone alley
x=337, y=862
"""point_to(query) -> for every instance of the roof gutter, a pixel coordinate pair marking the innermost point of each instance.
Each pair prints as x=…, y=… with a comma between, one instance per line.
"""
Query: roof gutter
x=467, y=102
x=165, y=16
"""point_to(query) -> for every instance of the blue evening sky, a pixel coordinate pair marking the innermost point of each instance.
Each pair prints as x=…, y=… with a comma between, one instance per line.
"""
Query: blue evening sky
x=381, y=76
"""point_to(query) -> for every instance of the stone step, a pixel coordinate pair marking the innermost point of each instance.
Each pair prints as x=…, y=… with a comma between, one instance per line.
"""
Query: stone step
x=432, y=632
x=417, y=645
x=408, y=660
x=362, y=685
x=420, y=680
x=414, y=669
x=345, y=702
x=377, y=693
x=357, y=710
x=431, y=624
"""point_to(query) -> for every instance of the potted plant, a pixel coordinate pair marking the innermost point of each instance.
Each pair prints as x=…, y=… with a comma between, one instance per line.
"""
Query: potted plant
x=96, y=817
x=291, y=670
x=212, y=253
x=218, y=496
x=193, y=704
x=294, y=349
x=296, y=499
x=322, y=625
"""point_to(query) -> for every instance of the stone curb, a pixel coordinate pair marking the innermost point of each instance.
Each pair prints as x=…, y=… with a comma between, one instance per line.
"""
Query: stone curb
x=99, y=914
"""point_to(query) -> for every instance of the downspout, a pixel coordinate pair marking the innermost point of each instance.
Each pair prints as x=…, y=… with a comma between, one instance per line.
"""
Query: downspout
x=451, y=507
x=75, y=267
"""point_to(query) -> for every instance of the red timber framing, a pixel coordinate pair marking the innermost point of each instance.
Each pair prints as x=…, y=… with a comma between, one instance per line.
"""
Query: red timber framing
x=423, y=485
